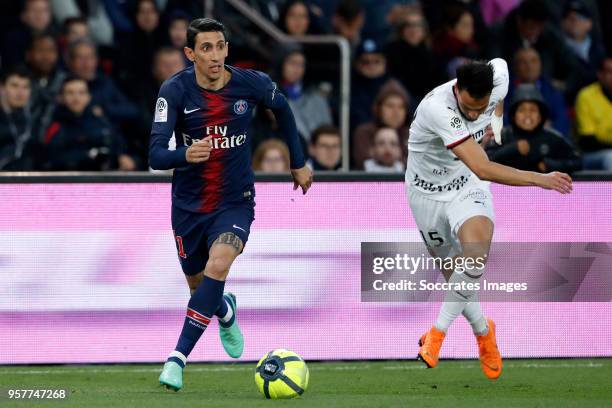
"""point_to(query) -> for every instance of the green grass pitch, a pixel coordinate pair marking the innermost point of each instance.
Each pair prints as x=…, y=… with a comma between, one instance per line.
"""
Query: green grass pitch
x=524, y=383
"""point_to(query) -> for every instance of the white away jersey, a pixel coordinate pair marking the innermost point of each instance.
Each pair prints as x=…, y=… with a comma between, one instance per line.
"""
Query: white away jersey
x=437, y=127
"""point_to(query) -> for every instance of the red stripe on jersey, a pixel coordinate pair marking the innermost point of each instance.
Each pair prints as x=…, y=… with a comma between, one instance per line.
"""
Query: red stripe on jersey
x=51, y=131
x=200, y=318
x=212, y=174
x=458, y=142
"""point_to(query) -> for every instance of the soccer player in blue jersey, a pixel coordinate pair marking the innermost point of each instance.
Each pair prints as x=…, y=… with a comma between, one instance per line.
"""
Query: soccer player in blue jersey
x=208, y=108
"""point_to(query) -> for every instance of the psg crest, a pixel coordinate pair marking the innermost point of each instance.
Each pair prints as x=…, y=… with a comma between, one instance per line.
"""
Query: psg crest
x=241, y=106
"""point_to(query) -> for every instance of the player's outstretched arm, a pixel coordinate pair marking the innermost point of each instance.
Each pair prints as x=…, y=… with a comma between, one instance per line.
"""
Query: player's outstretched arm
x=302, y=174
x=470, y=153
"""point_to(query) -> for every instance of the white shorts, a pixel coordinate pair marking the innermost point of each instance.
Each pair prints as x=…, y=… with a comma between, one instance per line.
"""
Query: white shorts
x=439, y=221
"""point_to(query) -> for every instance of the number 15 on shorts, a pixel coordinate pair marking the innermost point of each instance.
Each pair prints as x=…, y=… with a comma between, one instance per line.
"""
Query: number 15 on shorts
x=435, y=240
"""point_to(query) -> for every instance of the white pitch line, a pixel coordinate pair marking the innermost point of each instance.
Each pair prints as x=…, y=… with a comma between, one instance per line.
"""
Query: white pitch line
x=355, y=367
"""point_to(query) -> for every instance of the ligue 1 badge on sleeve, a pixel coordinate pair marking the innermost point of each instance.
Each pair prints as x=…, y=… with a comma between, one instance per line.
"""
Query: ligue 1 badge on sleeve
x=161, y=110
x=241, y=106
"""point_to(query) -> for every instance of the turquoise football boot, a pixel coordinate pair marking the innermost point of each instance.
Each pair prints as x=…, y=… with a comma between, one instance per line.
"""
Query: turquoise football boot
x=172, y=376
x=231, y=337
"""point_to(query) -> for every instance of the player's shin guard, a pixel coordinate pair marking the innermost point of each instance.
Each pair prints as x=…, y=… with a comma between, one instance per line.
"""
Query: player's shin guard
x=201, y=307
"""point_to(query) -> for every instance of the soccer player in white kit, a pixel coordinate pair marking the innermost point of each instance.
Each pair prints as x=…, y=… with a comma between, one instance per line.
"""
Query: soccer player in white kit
x=447, y=181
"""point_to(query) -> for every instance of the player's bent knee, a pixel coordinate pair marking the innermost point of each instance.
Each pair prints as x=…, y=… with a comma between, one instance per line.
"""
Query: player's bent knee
x=475, y=236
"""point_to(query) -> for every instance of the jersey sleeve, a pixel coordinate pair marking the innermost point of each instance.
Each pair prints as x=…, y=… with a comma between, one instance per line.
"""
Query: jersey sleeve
x=501, y=79
x=161, y=157
x=449, y=126
x=270, y=97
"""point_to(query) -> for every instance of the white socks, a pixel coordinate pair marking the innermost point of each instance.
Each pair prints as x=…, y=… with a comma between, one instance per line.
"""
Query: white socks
x=454, y=303
x=464, y=302
x=473, y=314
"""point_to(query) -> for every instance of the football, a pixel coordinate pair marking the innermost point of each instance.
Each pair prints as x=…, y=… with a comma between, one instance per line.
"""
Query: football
x=281, y=374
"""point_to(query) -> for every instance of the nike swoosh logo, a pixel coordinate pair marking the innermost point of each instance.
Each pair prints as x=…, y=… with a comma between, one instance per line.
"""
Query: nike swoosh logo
x=492, y=368
x=237, y=227
x=187, y=112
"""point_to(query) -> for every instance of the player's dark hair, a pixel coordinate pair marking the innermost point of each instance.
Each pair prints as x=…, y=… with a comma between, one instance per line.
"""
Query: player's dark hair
x=475, y=77
x=534, y=10
x=16, y=70
x=203, y=25
x=323, y=130
x=72, y=78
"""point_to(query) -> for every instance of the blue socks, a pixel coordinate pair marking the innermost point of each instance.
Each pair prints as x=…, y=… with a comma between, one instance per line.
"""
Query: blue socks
x=202, y=306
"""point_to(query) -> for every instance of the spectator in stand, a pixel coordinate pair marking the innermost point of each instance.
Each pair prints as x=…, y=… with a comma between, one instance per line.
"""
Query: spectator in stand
x=309, y=107
x=455, y=40
x=390, y=109
x=80, y=139
x=528, y=70
x=528, y=26
x=35, y=19
x=17, y=145
x=177, y=29
x=74, y=29
x=348, y=20
x=102, y=17
x=594, y=120
x=271, y=156
x=43, y=57
x=577, y=25
x=325, y=149
x=295, y=18
x=370, y=74
x=136, y=49
x=412, y=44
x=386, y=153
x=107, y=99
x=527, y=143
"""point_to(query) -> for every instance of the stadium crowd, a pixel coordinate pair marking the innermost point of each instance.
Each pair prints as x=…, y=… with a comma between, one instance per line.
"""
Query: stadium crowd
x=80, y=77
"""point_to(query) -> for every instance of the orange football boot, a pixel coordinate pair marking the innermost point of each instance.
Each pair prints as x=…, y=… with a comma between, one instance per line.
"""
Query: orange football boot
x=490, y=358
x=431, y=343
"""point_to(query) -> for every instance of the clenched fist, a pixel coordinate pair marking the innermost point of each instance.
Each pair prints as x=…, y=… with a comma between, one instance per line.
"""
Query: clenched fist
x=199, y=151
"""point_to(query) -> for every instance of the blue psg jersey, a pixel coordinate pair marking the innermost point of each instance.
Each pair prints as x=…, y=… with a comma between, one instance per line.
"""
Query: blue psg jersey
x=191, y=113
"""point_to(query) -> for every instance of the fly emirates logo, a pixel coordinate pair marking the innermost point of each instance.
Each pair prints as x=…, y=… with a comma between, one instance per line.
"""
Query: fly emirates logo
x=219, y=140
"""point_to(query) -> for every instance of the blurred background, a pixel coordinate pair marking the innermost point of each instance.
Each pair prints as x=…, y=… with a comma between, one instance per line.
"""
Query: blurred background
x=354, y=72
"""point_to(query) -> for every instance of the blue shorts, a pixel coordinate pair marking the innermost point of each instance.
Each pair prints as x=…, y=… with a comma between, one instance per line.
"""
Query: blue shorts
x=195, y=233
